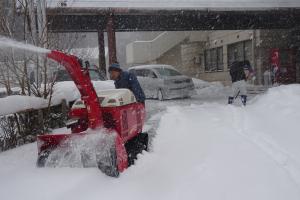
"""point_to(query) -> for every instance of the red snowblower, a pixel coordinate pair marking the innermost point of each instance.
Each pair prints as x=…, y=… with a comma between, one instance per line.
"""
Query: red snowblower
x=114, y=111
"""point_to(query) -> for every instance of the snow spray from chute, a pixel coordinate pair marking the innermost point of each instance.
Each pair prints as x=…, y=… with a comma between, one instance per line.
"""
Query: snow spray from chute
x=82, y=150
x=9, y=43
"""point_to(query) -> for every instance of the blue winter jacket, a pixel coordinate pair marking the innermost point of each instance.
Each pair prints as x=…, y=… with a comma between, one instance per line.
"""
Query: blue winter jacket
x=129, y=81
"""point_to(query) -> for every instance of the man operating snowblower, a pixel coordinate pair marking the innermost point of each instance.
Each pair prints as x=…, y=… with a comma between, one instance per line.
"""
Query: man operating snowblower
x=119, y=125
x=124, y=79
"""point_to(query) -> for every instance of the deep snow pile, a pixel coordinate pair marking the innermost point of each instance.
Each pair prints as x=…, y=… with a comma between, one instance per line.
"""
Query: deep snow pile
x=16, y=103
x=62, y=90
x=210, y=151
x=199, y=84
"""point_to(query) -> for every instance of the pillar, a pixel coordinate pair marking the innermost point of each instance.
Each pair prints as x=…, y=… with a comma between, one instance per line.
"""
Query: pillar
x=101, y=47
x=111, y=36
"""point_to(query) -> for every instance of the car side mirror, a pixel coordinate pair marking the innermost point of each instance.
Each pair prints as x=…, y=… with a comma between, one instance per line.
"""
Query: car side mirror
x=87, y=65
x=152, y=76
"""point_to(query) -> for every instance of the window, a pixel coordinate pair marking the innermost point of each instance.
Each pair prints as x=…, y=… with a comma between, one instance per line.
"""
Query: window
x=214, y=59
x=239, y=52
x=95, y=75
x=132, y=71
x=145, y=73
x=152, y=75
x=285, y=57
x=167, y=72
x=140, y=72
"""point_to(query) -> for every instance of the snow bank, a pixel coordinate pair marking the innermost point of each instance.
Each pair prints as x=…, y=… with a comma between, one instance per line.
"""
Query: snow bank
x=209, y=151
x=210, y=90
x=14, y=89
x=17, y=103
x=272, y=121
x=62, y=90
x=199, y=84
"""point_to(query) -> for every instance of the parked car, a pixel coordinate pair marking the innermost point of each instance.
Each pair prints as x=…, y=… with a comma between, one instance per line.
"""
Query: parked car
x=63, y=75
x=163, y=81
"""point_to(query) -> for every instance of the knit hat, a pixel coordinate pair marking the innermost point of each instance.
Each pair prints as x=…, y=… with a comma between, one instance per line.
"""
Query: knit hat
x=114, y=67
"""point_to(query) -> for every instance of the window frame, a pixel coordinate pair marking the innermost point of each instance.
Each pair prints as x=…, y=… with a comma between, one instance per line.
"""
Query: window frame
x=244, y=54
x=212, y=61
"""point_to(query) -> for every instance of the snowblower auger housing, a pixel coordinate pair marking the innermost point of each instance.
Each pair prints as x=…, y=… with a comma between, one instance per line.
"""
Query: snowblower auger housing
x=126, y=120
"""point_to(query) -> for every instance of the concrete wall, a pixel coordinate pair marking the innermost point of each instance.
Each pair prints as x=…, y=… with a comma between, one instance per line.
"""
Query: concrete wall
x=146, y=51
x=216, y=76
x=192, y=58
x=187, y=57
x=172, y=57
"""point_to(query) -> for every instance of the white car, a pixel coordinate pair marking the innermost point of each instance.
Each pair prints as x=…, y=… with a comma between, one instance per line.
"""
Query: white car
x=163, y=82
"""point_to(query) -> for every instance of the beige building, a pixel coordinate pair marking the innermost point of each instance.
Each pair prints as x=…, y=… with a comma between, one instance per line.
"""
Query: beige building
x=208, y=54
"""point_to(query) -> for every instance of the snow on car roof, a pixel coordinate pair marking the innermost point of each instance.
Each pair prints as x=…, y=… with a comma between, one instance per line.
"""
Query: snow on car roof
x=178, y=4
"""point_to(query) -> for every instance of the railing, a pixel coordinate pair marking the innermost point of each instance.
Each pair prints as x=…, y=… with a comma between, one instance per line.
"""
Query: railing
x=146, y=51
x=22, y=127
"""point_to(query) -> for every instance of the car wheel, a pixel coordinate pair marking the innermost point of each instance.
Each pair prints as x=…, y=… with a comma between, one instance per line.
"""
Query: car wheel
x=160, y=95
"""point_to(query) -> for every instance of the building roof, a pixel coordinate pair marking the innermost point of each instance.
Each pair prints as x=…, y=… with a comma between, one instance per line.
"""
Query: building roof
x=177, y=4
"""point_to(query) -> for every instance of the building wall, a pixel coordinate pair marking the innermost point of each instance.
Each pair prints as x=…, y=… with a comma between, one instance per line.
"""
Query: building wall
x=188, y=56
x=172, y=57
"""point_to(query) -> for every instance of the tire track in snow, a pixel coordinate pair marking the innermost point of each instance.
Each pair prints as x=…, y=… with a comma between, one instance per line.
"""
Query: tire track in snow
x=266, y=143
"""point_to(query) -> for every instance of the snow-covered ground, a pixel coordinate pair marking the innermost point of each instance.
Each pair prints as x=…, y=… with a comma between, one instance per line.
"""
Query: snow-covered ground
x=203, y=149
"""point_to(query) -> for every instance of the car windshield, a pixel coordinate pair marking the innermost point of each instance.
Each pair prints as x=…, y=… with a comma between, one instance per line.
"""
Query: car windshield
x=94, y=75
x=62, y=75
x=167, y=72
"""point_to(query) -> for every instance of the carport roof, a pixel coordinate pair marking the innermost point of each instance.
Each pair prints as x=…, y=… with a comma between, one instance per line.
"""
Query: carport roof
x=179, y=4
x=172, y=15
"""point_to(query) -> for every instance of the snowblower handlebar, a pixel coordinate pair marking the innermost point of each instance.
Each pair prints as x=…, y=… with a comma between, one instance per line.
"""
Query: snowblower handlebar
x=84, y=85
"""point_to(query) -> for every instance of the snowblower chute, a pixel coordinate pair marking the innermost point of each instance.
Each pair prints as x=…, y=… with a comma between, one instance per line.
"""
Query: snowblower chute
x=116, y=111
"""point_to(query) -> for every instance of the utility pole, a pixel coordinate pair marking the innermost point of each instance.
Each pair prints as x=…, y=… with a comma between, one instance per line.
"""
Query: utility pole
x=42, y=30
x=34, y=37
x=32, y=24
